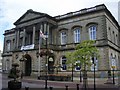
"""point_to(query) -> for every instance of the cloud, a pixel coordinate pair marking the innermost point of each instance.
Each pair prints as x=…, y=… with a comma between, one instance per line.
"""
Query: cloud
x=1, y=46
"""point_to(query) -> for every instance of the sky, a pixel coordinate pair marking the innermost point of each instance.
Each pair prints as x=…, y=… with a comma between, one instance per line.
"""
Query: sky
x=12, y=10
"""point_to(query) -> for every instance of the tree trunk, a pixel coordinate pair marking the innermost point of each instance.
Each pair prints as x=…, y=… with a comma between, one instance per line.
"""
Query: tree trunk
x=85, y=82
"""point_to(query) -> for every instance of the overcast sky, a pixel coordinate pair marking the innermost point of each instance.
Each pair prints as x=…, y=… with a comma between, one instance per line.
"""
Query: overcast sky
x=11, y=10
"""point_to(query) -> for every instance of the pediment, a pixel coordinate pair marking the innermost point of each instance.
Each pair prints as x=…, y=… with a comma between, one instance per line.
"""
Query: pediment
x=29, y=15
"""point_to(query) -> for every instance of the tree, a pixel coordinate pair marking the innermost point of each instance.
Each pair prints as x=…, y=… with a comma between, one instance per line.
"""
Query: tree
x=70, y=61
x=70, y=58
x=83, y=53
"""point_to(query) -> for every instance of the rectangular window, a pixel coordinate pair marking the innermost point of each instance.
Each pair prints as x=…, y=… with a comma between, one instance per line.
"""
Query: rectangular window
x=77, y=66
x=21, y=41
x=92, y=33
x=95, y=62
x=8, y=45
x=63, y=63
x=63, y=38
x=77, y=36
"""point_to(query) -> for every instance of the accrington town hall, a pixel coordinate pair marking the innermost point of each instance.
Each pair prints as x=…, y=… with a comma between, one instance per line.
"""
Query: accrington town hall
x=22, y=44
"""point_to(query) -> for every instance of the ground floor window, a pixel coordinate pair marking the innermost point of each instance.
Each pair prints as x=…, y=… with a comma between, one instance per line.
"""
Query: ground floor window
x=77, y=66
x=63, y=63
x=94, y=61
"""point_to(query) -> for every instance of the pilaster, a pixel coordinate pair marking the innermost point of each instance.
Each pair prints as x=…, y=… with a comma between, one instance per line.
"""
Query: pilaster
x=24, y=35
x=33, y=38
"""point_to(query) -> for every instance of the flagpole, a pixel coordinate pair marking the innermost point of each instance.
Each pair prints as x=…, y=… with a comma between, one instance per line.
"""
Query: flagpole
x=41, y=35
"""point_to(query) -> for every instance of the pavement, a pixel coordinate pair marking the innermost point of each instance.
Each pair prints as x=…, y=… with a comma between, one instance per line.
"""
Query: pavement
x=100, y=84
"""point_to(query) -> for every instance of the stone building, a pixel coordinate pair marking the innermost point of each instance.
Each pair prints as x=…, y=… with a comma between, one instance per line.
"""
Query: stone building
x=64, y=33
x=0, y=60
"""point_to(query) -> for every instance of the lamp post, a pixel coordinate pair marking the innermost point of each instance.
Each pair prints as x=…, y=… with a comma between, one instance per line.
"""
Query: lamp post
x=37, y=55
x=80, y=74
x=72, y=71
x=113, y=68
x=46, y=64
x=113, y=76
x=93, y=61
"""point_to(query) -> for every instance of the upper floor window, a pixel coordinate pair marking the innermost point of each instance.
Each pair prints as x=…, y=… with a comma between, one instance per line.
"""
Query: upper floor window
x=116, y=39
x=63, y=38
x=63, y=63
x=77, y=35
x=92, y=32
x=8, y=45
x=21, y=41
x=113, y=36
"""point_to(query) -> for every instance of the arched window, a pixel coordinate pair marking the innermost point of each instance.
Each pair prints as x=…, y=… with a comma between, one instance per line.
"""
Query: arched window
x=92, y=32
x=63, y=63
x=77, y=35
x=63, y=37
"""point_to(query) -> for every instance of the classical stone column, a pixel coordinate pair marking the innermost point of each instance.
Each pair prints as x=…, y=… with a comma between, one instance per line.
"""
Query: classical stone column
x=18, y=37
x=119, y=72
x=33, y=38
x=48, y=33
x=45, y=28
x=24, y=35
x=44, y=32
x=15, y=38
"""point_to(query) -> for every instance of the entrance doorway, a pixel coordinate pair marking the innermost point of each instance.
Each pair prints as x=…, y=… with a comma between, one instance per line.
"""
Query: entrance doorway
x=50, y=65
x=28, y=65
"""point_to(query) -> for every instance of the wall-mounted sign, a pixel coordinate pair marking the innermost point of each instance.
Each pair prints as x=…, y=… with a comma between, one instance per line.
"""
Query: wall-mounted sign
x=27, y=47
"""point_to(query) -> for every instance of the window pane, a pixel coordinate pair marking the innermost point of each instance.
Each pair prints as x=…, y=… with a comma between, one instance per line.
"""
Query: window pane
x=64, y=67
x=77, y=35
x=92, y=33
x=96, y=64
x=63, y=38
x=8, y=46
x=77, y=65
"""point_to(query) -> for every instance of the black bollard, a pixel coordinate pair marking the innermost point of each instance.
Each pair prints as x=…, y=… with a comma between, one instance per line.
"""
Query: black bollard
x=77, y=86
x=66, y=87
x=26, y=88
x=51, y=88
